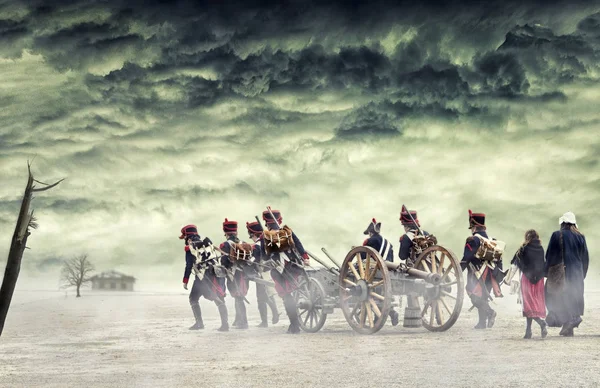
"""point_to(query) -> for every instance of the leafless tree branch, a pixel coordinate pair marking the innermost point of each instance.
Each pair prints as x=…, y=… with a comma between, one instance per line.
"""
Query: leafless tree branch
x=48, y=187
x=75, y=272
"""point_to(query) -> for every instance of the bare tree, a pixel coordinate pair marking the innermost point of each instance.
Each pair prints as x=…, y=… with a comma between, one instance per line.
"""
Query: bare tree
x=76, y=272
x=18, y=244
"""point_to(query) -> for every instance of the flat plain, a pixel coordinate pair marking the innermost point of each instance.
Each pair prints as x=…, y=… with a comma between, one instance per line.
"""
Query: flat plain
x=141, y=339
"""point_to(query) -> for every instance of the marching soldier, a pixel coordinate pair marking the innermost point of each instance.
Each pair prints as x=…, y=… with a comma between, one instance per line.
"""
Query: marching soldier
x=385, y=249
x=263, y=299
x=207, y=285
x=411, y=229
x=483, y=276
x=237, y=283
x=287, y=281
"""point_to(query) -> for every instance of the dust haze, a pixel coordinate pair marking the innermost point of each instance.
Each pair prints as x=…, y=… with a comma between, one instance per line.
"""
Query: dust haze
x=162, y=115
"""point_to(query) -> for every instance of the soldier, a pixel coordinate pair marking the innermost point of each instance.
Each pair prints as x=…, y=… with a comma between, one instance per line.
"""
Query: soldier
x=408, y=253
x=385, y=249
x=481, y=279
x=377, y=241
x=411, y=229
x=208, y=285
x=237, y=282
x=287, y=281
x=262, y=297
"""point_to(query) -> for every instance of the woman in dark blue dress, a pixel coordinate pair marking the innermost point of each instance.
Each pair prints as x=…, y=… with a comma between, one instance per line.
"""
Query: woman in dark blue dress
x=567, y=262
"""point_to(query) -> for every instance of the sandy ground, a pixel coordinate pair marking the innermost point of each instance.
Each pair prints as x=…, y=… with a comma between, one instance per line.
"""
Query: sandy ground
x=141, y=340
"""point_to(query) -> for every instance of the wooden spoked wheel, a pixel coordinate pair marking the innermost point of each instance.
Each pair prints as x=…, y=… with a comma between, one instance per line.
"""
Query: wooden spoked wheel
x=441, y=305
x=366, y=291
x=310, y=301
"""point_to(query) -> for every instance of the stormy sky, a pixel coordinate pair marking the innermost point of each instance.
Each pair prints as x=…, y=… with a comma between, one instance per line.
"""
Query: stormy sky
x=161, y=114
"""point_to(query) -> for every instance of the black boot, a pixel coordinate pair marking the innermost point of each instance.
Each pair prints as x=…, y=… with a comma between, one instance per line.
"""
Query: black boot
x=240, y=311
x=274, y=312
x=236, y=321
x=543, y=326
x=567, y=329
x=394, y=317
x=564, y=329
x=491, y=316
x=290, y=308
x=262, y=310
x=224, y=319
x=482, y=318
x=199, y=325
x=528, y=329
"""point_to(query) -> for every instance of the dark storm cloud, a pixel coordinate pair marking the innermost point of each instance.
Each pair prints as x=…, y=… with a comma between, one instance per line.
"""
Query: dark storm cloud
x=163, y=112
x=554, y=58
x=269, y=117
x=433, y=84
x=502, y=75
x=366, y=122
x=311, y=68
x=12, y=29
x=156, y=45
x=140, y=89
x=590, y=26
x=13, y=34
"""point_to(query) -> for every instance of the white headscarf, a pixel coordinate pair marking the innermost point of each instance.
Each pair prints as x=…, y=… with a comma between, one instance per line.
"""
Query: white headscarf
x=569, y=218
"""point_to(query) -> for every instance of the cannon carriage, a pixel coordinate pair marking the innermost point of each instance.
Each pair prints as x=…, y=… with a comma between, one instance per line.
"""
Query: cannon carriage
x=366, y=285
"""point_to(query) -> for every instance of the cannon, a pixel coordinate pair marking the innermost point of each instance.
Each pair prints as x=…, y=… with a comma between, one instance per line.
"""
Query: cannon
x=363, y=286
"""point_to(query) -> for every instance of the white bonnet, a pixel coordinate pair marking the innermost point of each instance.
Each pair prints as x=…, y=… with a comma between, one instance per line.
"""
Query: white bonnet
x=569, y=218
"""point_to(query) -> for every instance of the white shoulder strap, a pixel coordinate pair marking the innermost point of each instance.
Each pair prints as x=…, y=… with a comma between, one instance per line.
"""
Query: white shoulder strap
x=387, y=245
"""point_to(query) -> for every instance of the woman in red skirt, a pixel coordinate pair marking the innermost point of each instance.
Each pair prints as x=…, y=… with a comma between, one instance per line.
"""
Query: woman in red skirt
x=530, y=260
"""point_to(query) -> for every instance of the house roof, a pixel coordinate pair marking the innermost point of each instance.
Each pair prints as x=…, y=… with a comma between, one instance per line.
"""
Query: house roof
x=112, y=275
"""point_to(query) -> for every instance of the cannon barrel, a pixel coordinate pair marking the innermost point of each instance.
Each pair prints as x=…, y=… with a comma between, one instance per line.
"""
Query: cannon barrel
x=429, y=277
x=331, y=258
x=329, y=267
x=391, y=266
x=433, y=278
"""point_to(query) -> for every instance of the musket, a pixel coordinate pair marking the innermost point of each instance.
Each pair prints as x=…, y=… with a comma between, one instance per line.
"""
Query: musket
x=273, y=215
x=260, y=223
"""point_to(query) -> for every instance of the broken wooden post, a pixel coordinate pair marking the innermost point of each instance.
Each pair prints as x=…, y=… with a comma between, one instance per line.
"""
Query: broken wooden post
x=19, y=243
